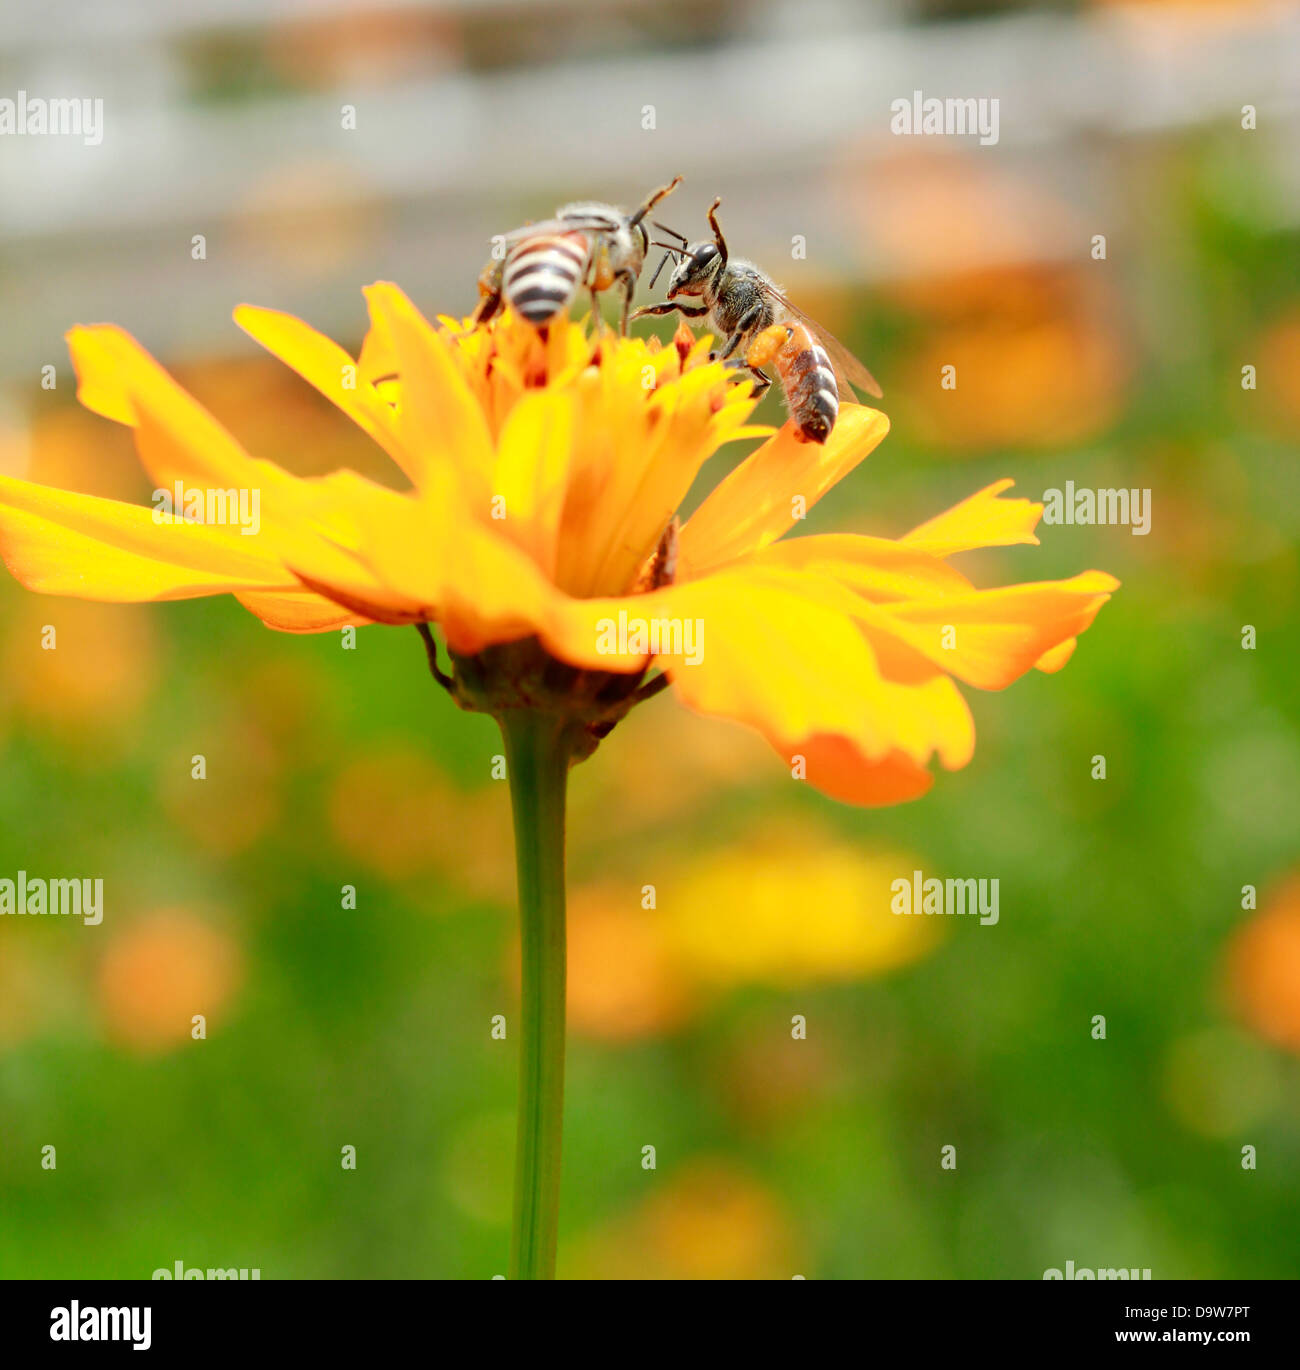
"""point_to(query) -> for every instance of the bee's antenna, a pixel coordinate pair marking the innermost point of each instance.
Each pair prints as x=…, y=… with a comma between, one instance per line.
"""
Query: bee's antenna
x=717, y=232
x=653, y=200
x=662, y=261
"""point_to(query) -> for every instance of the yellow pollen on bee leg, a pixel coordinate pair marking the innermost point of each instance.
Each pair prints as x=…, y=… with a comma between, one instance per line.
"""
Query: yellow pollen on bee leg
x=603, y=273
x=768, y=343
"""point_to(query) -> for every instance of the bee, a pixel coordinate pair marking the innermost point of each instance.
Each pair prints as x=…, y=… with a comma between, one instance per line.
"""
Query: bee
x=744, y=306
x=586, y=244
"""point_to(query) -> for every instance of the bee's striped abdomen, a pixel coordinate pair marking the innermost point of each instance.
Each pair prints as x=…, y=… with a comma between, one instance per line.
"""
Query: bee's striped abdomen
x=809, y=384
x=542, y=275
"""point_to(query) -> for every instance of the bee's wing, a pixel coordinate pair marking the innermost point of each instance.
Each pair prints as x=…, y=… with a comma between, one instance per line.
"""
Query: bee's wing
x=530, y=230
x=578, y=224
x=846, y=366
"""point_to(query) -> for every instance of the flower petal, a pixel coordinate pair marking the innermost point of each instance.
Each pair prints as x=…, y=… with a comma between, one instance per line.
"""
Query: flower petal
x=59, y=542
x=776, y=651
x=322, y=363
x=881, y=570
x=982, y=520
x=639, y=452
x=438, y=415
x=989, y=638
x=755, y=504
x=118, y=379
x=532, y=469
x=838, y=768
x=435, y=561
x=1054, y=660
x=298, y=611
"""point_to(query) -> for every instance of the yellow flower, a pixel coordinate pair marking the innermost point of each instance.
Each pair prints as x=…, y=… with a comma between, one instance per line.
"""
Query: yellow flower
x=729, y=916
x=725, y=923
x=545, y=476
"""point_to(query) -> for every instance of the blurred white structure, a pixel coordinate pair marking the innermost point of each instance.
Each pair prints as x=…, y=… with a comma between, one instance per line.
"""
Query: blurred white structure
x=777, y=113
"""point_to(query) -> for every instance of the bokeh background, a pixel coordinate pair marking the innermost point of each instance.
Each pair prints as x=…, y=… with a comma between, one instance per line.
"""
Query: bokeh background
x=371, y=1027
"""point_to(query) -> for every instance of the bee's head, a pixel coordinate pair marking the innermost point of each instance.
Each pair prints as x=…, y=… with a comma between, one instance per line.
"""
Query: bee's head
x=696, y=264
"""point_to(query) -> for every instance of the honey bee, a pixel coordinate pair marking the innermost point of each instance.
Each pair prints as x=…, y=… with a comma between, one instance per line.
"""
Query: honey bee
x=586, y=244
x=745, y=307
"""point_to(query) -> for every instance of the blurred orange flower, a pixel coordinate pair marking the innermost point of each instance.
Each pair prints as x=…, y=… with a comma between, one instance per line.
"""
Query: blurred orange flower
x=68, y=447
x=943, y=217
x=1228, y=8
x=999, y=272
x=1279, y=365
x=707, y=1221
x=1044, y=383
x=162, y=971
x=74, y=668
x=396, y=812
x=1263, y=968
x=626, y=977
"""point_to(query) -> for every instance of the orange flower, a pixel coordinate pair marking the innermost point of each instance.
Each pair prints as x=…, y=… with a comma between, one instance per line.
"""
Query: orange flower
x=626, y=977
x=544, y=483
x=1263, y=968
x=708, y=1221
x=162, y=972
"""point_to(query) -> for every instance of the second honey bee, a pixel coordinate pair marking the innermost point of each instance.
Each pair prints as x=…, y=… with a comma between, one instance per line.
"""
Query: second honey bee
x=541, y=266
x=747, y=309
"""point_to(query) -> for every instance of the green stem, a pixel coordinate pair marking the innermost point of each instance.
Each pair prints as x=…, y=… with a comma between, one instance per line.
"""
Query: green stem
x=537, y=757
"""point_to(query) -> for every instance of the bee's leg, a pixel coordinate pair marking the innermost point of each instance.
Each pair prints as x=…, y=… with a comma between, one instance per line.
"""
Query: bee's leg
x=653, y=199
x=597, y=322
x=670, y=307
x=488, y=308
x=760, y=379
x=628, y=282
x=491, y=287
x=748, y=322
